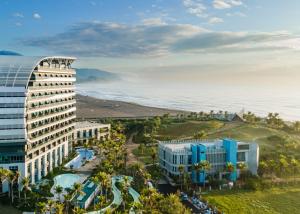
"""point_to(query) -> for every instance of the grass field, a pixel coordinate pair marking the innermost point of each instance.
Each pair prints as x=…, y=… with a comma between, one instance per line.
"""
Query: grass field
x=268, y=139
x=189, y=128
x=276, y=200
x=144, y=157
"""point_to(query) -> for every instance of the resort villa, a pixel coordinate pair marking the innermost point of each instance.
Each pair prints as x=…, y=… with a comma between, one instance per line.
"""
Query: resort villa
x=218, y=153
x=37, y=115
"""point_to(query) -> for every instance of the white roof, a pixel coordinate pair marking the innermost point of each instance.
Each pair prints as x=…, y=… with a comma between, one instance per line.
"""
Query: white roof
x=88, y=124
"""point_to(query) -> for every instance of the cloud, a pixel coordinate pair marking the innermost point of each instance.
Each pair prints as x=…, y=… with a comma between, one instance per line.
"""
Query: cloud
x=153, y=21
x=18, y=24
x=195, y=7
x=36, y=16
x=18, y=15
x=240, y=14
x=215, y=20
x=225, y=4
x=119, y=40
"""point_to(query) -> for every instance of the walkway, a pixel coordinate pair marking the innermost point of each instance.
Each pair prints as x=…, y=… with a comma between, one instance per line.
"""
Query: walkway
x=130, y=146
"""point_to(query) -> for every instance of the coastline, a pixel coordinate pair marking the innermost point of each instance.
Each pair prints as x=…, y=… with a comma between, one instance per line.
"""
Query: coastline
x=90, y=107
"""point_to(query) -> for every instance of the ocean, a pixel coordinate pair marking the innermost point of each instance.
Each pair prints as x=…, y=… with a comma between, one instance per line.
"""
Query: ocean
x=199, y=96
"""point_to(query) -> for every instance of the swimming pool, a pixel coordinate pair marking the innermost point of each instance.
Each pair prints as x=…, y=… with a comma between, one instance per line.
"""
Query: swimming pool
x=67, y=180
x=83, y=155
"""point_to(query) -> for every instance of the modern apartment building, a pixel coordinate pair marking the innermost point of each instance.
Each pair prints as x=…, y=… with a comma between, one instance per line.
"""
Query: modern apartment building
x=218, y=153
x=37, y=113
x=86, y=130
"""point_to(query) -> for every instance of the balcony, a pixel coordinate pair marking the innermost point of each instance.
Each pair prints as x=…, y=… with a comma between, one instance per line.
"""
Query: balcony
x=38, y=128
x=49, y=116
x=51, y=106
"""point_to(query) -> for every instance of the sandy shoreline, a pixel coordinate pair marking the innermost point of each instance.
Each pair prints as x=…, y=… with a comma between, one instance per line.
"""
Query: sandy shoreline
x=89, y=107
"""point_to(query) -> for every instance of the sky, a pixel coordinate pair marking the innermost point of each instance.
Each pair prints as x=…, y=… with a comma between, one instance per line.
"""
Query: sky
x=240, y=42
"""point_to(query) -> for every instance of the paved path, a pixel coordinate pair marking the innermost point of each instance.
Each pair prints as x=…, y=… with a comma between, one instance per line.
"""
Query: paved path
x=130, y=146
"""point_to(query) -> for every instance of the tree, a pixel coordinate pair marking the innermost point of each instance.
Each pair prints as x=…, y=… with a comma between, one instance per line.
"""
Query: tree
x=78, y=210
x=262, y=168
x=197, y=169
x=11, y=179
x=96, y=182
x=200, y=135
x=41, y=207
x=25, y=184
x=77, y=188
x=296, y=126
x=18, y=176
x=204, y=167
x=242, y=168
x=230, y=167
x=153, y=155
x=283, y=164
x=142, y=148
x=59, y=208
x=181, y=171
x=67, y=200
x=58, y=191
x=295, y=165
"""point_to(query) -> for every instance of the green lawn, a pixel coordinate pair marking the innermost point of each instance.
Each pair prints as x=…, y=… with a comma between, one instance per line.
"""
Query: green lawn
x=276, y=200
x=189, y=128
x=145, y=157
x=268, y=139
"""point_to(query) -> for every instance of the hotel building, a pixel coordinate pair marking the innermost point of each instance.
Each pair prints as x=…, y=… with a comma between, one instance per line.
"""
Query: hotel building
x=218, y=153
x=37, y=113
x=86, y=130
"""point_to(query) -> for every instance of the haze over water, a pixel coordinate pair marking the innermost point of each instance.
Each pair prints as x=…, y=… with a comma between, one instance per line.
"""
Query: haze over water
x=199, y=96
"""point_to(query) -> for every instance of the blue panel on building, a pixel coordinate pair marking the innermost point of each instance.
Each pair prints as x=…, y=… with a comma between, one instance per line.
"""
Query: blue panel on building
x=202, y=157
x=230, y=147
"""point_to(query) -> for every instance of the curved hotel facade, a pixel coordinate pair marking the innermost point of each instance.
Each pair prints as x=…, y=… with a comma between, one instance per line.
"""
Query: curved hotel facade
x=37, y=113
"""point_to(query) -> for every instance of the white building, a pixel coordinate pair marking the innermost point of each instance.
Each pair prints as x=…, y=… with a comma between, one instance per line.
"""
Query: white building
x=172, y=154
x=86, y=130
x=37, y=113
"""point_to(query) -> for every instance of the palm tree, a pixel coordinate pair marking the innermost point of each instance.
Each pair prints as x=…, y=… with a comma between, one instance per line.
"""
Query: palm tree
x=181, y=171
x=59, y=208
x=153, y=156
x=95, y=180
x=25, y=184
x=11, y=179
x=41, y=207
x=67, y=199
x=51, y=204
x=197, y=168
x=3, y=175
x=204, y=167
x=230, y=167
x=77, y=188
x=78, y=210
x=18, y=175
x=58, y=191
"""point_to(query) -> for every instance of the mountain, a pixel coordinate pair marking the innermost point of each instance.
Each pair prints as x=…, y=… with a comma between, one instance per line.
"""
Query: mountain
x=89, y=74
x=9, y=53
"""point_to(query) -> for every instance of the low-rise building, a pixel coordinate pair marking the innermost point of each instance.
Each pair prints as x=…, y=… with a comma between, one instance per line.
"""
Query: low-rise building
x=86, y=130
x=218, y=153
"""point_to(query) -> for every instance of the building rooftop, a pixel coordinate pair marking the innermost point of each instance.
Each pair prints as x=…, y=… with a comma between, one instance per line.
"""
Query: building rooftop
x=15, y=71
x=88, y=124
x=185, y=144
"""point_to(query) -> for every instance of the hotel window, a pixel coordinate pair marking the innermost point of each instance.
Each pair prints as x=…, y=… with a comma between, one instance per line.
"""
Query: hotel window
x=13, y=168
x=241, y=156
